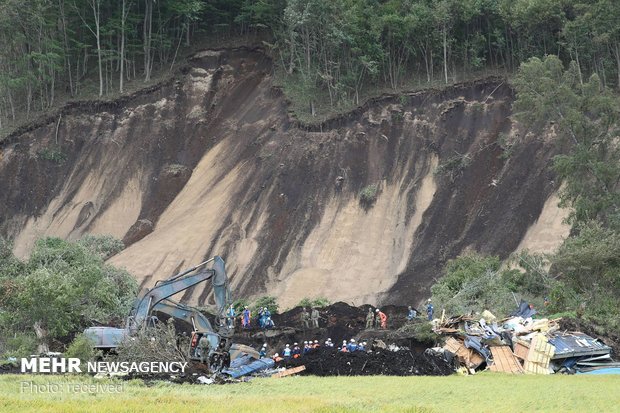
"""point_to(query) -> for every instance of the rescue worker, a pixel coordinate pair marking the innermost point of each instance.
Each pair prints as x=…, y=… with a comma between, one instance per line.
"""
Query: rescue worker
x=381, y=321
x=269, y=323
x=370, y=319
x=362, y=346
x=261, y=318
x=305, y=318
x=315, y=318
x=352, y=346
x=276, y=358
x=246, y=318
x=203, y=345
x=230, y=317
x=316, y=344
x=411, y=313
x=306, y=347
x=287, y=351
x=328, y=343
x=344, y=346
x=429, y=310
x=296, y=351
x=263, y=351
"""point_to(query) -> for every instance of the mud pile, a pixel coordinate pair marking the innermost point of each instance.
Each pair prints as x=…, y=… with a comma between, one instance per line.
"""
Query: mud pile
x=330, y=362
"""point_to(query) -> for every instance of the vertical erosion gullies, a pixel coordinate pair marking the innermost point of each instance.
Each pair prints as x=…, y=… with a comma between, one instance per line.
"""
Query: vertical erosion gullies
x=366, y=207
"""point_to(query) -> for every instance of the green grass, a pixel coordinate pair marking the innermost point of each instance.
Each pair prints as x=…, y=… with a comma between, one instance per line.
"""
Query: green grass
x=481, y=393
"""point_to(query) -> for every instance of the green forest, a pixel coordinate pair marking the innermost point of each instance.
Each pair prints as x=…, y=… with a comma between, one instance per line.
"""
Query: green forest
x=329, y=51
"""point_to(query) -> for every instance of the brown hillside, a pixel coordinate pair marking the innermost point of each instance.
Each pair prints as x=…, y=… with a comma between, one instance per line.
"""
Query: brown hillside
x=211, y=163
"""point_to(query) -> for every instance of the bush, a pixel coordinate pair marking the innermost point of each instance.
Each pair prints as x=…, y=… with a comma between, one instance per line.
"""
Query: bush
x=63, y=288
x=54, y=154
x=420, y=330
x=473, y=283
x=368, y=195
x=317, y=302
x=18, y=344
x=532, y=277
x=82, y=347
x=266, y=301
x=240, y=304
x=154, y=344
x=103, y=245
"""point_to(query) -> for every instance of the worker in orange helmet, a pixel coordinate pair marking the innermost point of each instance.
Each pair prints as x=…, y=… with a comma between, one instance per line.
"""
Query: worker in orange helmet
x=382, y=318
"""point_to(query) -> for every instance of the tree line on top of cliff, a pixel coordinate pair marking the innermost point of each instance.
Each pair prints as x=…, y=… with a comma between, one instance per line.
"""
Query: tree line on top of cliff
x=328, y=52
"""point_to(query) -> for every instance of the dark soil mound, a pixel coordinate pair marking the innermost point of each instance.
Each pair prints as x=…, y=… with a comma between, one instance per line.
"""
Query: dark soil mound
x=330, y=362
x=10, y=368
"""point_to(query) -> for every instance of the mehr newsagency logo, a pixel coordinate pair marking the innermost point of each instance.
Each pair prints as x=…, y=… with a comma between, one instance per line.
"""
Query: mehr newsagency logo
x=60, y=365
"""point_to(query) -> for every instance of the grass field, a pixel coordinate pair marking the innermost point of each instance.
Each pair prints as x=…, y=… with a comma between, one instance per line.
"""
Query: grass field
x=480, y=393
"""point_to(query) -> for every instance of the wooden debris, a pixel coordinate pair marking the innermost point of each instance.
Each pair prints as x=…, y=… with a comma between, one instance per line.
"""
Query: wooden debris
x=505, y=361
x=539, y=355
x=465, y=355
x=521, y=350
x=288, y=372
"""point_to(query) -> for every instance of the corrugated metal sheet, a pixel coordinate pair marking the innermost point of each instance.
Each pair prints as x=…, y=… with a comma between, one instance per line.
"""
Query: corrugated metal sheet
x=576, y=345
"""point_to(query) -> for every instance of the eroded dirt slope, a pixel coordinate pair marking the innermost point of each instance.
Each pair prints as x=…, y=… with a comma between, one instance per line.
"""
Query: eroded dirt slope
x=211, y=163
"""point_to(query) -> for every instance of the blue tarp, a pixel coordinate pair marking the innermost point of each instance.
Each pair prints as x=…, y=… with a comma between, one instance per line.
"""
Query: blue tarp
x=241, y=361
x=524, y=310
x=608, y=370
x=258, y=365
x=476, y=344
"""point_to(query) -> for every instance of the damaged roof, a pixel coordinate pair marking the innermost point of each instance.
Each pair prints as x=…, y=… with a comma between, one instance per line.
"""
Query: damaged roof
x=576, y=344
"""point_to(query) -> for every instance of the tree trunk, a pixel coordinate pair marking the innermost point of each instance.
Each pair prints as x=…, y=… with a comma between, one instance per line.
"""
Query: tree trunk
x=95, y=5
x=147, y=33
x=41, y=333
x=61, y=5
x=122, y=57
x=617, y=53
x=445, y=53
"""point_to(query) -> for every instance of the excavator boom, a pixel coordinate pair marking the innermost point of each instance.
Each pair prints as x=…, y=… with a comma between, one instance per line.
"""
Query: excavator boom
x=186, y=313
x=153, y=300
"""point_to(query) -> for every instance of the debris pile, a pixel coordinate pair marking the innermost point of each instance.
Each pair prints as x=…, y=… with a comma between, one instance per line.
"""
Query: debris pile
x=520, y=344
x=330, y=362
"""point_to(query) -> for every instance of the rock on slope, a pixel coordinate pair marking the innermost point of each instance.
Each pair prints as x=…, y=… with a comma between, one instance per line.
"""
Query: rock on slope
x=211, y=163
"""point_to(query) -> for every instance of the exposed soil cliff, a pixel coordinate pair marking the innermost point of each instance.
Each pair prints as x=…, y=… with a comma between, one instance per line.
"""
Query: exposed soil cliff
x=211, y=163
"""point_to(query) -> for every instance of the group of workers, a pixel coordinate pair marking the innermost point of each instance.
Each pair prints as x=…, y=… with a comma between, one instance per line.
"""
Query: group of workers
x=412, y=313
x=297, y=351
x=310, y=317
x=264, y=317
x=378, y=319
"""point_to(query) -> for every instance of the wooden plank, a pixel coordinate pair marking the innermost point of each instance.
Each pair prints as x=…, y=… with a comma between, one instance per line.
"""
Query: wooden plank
x=466, y=356
x=539, y=355
x=521, y=350
x=505, y=361
x=288, y=372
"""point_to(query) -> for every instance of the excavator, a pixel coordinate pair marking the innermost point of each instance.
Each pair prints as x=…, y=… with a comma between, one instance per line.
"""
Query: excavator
x=157, y=299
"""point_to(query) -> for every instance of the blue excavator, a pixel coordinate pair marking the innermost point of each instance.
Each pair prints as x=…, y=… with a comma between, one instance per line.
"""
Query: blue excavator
x=157, y=299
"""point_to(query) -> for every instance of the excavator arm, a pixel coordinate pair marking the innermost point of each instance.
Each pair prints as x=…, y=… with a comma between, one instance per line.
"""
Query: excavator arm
x=186, y=313
x=181, y=282
x=157, y=299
